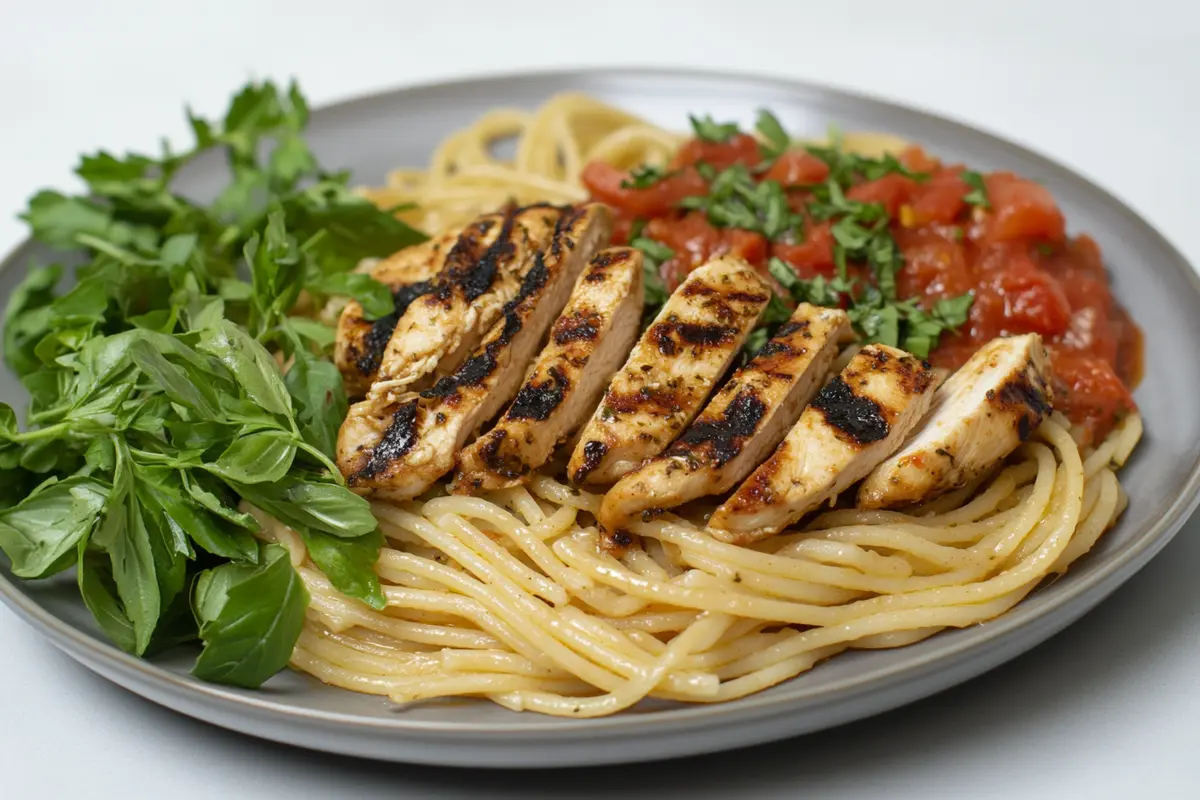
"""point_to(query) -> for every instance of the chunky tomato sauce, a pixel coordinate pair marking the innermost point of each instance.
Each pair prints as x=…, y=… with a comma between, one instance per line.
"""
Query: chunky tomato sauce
x=1025, y=273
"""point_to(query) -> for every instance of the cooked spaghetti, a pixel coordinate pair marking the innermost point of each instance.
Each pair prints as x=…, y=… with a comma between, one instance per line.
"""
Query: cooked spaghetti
x=510, y=596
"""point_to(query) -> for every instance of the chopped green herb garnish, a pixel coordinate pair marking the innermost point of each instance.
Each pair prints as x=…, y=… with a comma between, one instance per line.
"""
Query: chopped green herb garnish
x=775, y=139
x=653, y=289
x=978, y=194
x=644, y=176
x=706, y=129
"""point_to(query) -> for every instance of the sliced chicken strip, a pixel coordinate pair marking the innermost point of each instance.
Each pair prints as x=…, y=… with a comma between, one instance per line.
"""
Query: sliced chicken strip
x=588, y=343
x=743, y=423
x=482, y=273
x=856, y=421
x=409, y=274
x=674, y=367
x=980, y=414
x=398, y=448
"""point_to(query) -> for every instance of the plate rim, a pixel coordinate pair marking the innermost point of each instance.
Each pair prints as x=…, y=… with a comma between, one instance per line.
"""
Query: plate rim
x=1152, y=537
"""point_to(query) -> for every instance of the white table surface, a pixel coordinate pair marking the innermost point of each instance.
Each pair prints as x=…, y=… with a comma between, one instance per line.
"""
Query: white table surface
x=1107, y=709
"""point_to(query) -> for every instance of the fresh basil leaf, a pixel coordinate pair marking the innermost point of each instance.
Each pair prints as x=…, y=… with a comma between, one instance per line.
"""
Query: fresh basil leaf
x=40, y=534
x=374, y=297
x=249, y=618
x=319, y=399
x=250, y=363
x=99, y=593
x=212, y=495
x=192, y=390
x=123, y=536
x=28, y=318
x=187, y=519
x=259, y=457
x=318, y=334
x=307, y=504
x=349, y=564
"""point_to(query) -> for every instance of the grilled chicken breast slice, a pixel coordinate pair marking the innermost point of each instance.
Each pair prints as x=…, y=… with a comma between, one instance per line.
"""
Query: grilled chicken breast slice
x=980, y=414
x=741, y=425
x=856, y=421
x=482, y=273
x=397, y=448
x=361, y=342
x=588, y=343
x=672, y=369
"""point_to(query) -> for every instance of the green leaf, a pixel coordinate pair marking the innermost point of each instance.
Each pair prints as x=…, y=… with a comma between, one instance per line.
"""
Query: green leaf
x=307, y=504
x=28, y=318
x=777, y=312
x=40, y=534
x=58, y=220
x=706, y=129
x=193, y=389
x=783, y=273
x=99, y=593
x=251, y=365
x=375, y=297
x=186, y=518
x=318, y=334
x=978, y=194
x=656, y=251
x=249, y=618
x=123, y=536
x=644, y=176
x=775, y=138
x=319, y=399
x=259, y=457
x=210, y=494
x=954, y=310
x=349, y=564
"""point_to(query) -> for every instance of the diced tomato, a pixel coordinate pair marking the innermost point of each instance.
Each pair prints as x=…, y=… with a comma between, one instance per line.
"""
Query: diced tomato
x=813, y=256
x=1033, y=302
x=741, y=148
x=604, y=183
x=1021, y=209
x=934, y=266
x=695, y=241
x=797, y=168
x=747, y=244
x=891, y=191
x=940, y=199
x=917, y=160
x=1088, y=391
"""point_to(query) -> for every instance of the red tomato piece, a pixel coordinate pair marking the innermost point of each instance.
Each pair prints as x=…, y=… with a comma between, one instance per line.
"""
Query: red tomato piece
x=797, y=168
x=934, y=266
x=917, y=160
x=813, y=256
x=604, y=183
x=891, y=191
x=1021, y=209
x=1088, y=391
x=741, y=148
x=940, y=200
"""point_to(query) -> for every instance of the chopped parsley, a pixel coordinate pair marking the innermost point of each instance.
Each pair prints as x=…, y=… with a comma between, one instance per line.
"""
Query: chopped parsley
x=978, y=194
x=775, y=140
x=736, y=200
x=644, y=176
x=708, y=130
x=653, y=288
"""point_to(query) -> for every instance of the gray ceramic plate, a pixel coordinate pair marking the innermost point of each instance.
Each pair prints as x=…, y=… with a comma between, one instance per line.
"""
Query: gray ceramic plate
x=371, y=135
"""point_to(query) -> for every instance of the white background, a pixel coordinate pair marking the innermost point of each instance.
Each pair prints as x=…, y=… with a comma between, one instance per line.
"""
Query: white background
x=1108, y=709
